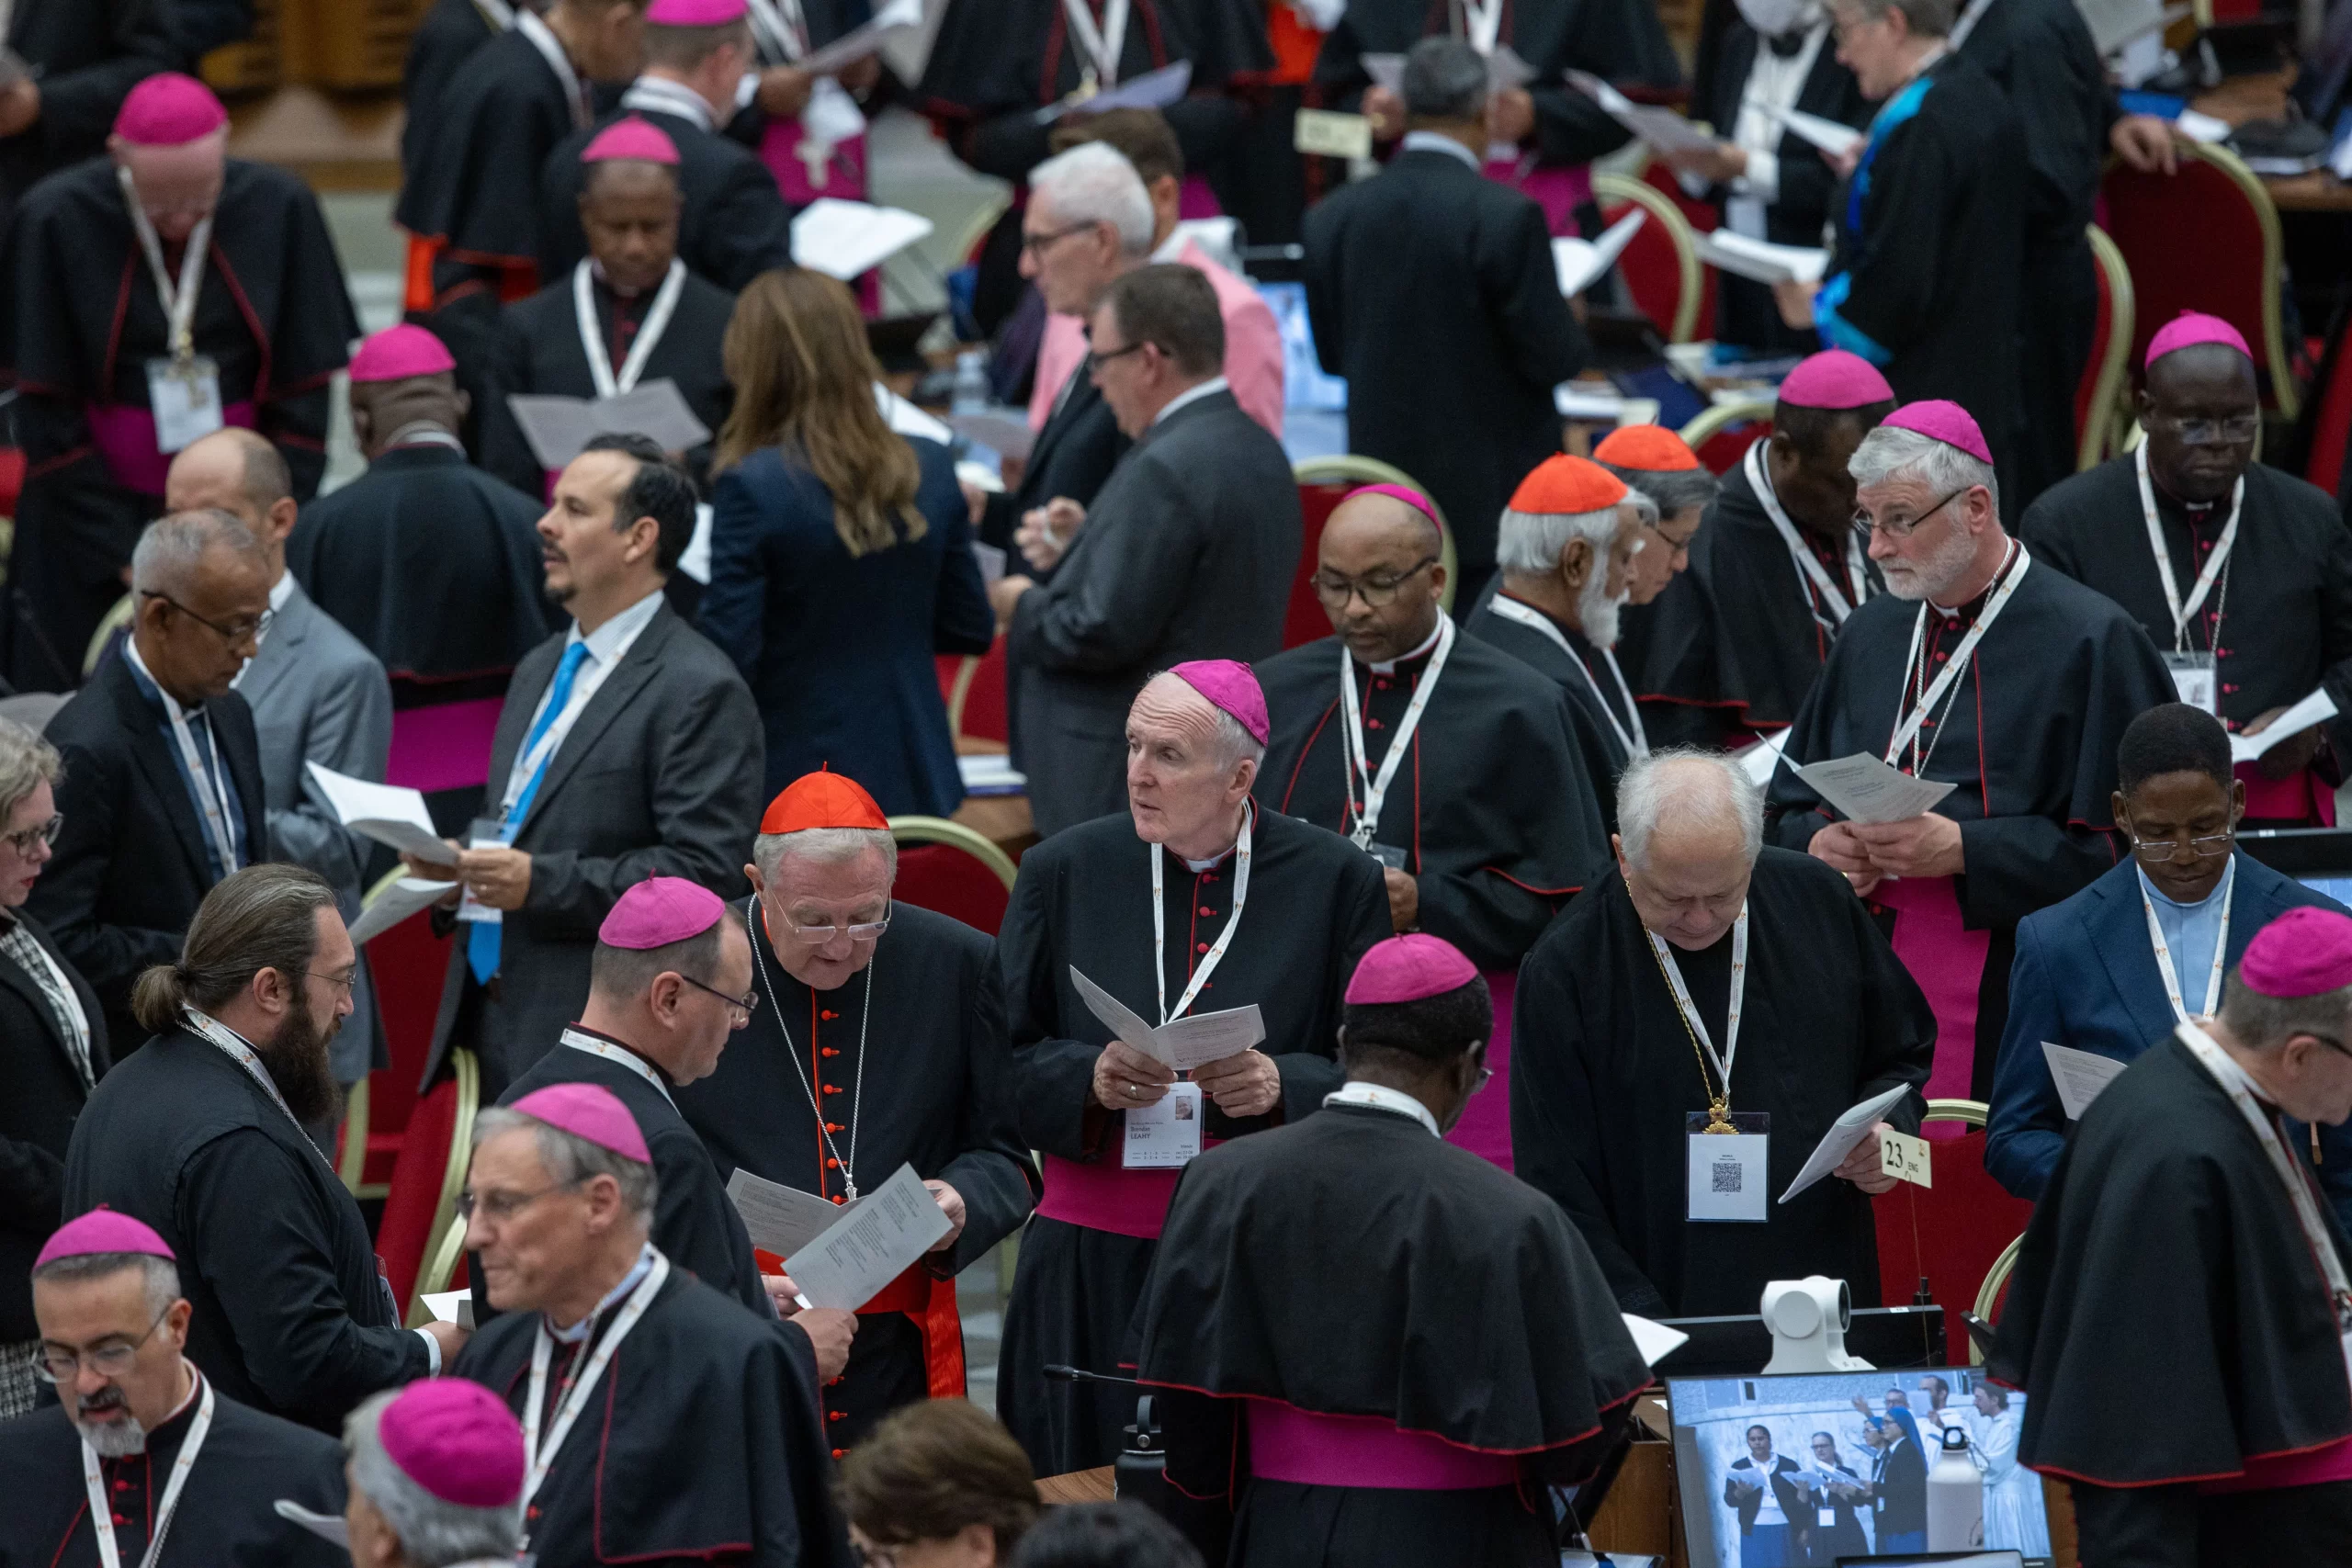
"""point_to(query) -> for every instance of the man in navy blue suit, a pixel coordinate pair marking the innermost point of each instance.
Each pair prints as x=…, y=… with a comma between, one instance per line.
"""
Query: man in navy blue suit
x=2112, y=969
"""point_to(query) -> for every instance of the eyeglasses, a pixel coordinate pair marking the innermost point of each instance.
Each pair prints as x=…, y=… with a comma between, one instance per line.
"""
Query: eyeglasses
x=1035, y=243
x=340, y=982
x=1096, y=360
x=876, y=1556
x=232, y=634
x=2161, y=851
x=2235, y=431
x=1377, y=593
x=747, y=1004
x=500, y=1207
x=2330, y=1040
x=1902, y=530
x=23, y=839
x=52, y=1364
x=865, y=930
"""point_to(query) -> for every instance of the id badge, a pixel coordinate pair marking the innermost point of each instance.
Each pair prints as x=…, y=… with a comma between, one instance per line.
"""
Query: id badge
x=1166, y=1135
x=487, y=833
x=1729, y=1172
x=2197, y=680
x=184, y=398
x=1825, y=1518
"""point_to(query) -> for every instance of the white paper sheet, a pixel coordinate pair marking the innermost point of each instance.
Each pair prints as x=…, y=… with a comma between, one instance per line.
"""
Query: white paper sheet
x=1004, y=432
x=410, y=896
x=1574, y=402
x=1580, y=263
x=858, y=43
x=990, y=775
x=1386, y=71
x=390, y=814
x=1661, y=128
x=450, y=1306
x=884, y=1233
x=694, y=560
x=2202, y=128
x=327, y=1527
x=844, y=239
x=1653, y=1341
x=1761, y=259
x=781, y=1218
x=908, y=419
x=1838, y=1143
x=559, y=428
x=1152, y=90
x=992, y=562
x=2079, y=1074
x=1864, y=789
x=1761, y=760
x=1829, y=135
x=2317, y=709
x=1183, y=1043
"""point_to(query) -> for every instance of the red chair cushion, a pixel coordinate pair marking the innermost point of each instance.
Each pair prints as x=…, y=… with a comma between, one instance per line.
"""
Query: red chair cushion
x=12, y=479
x=949, y=881
x=417, y=1174
x=1952, y=1233
x=409, y=963
x=986, y=716
x=1704, y=219
x=1304, y=621
x=2332, y=420
x=2220, y=275
x=1722, y=451
x=2102, y=334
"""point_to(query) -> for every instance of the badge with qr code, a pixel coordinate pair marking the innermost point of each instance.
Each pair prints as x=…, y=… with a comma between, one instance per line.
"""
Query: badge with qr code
x=1729, y=1172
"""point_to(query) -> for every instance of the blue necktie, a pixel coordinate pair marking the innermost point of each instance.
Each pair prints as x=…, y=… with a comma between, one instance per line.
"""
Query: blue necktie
x=482, y=937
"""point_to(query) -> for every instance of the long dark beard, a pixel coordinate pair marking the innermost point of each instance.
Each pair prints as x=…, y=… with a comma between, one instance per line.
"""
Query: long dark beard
x=297, y=1060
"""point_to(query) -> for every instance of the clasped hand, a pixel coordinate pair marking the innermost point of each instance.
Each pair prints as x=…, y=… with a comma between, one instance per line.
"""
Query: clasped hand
x=1926, y=845
x=1244, y=1084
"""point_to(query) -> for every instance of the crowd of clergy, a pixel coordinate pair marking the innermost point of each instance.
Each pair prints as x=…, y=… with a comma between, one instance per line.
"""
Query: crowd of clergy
x=1476, y=901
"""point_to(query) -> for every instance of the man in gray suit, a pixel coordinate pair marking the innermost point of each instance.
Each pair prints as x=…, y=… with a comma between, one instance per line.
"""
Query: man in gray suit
x=628, y=748
x=1188, y=552
x=318, y=695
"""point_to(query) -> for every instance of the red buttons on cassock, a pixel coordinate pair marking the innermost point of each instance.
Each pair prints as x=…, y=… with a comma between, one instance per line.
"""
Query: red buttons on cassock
x=837, y=1197
x=829, y=1014
x=1206, y=910
x=1200, y=947
x=833, y=1126
x=832, y=1165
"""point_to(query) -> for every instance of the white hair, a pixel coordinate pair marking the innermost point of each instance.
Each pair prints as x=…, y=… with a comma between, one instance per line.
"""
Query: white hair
x=1233, y=742
x=1888, y=452
x=434, y=1532
x=171, y=548
x=1659, y=790
x=571, y=1159
x=1530, y=542
x=1094, y=183
x=829, y=846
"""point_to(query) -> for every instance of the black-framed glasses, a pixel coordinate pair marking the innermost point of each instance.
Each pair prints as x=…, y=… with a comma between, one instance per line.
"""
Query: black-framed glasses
x=54, y=1363
x=500, y=1207
x=1377, y=593
x=746, y=1004
x=2330, y=1040
x=2235, y=431
x=1097, y=358
x=1036, y=245
x=1902, y=530
x=233, y=633
x=23, y=840
x=2160, y=851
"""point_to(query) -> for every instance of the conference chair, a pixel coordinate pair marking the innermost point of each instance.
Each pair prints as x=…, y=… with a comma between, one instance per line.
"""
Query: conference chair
x=1660, y=265
x=2100, y=406
x=409, y=963
x=1723, y=432
x=443, y=1270
x=2326, y=435
x=117, y=619
x=973, y=686
x=421, y=1198
x=952, y=870
x=1994, y=1291
x=1951, y=1234
x=1323, y=483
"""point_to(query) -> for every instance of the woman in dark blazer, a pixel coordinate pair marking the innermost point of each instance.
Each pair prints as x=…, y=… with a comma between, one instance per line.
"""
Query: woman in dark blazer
x=841, y=553
x=52, y=1051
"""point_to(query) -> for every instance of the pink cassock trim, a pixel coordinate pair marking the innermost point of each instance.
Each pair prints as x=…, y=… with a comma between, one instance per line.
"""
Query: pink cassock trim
x=125, y=437
x=2332, y=1461
x=1948, y=961
x=1298, y=1446
x=1485, y=1127
x=1103, y=1195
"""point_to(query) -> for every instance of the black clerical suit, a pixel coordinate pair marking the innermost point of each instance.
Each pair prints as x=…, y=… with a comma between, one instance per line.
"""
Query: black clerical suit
x=1315, y=903
x=1600, y=726
x=443, y=42
x=226, y=1516
x=133, y=861
x=1187, y=553
x=271, y=314
x=84, y=56
x=930, y=1009
x=44, y=1083
x=1431, y=289
x=1606, y=1072
x=293, y=1312
x=1074, y=454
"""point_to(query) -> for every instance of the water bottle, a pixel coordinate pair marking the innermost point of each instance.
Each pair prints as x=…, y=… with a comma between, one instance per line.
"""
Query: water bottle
x=971, y=381
x=1955, y=1498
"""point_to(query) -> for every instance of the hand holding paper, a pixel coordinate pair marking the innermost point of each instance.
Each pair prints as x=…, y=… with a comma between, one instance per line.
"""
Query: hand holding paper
x=1580, y=263
x=1183, y=1043
x=1850, y=1128
x=2080, y=1076
x=390, y=814
x=2316, y=708
x=874, y=1241
x=1864, y=789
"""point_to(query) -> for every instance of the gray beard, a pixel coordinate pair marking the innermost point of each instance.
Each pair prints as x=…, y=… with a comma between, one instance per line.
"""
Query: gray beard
x=1597, y=612
x=1933, y=581
x=115, y=1439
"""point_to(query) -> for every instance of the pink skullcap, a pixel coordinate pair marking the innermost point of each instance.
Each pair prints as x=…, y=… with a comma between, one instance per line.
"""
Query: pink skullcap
x=2190, y=328
x=659, y=911
x=458, y=1440
x=169, y=110
x=591, y=1112
x=636, y=140
x=397, y=353
x=1945, y=421
x=695, y=13
x=1408, y=968
x=2304, y=953
x=1406, y=494
x=102, y=1231
x=1231, y=686
x=1834, y=379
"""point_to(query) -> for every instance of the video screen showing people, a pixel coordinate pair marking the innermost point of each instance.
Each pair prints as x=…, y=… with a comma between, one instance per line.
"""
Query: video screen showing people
x=1779, y=1472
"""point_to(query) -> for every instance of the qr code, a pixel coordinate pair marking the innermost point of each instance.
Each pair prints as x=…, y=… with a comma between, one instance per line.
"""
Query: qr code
x=1727, y=1176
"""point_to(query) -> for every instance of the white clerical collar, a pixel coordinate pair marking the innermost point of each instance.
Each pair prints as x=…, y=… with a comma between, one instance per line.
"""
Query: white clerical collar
x=1428, y=642
x=1171, y=248
x=579, y=1331
x=1198, y=866
x=1209, y=387
x=195, y=1387
x=606, y=641
x=1374, y=1097
x=172, y=708
x=281, y=593
x=2228, y=874
x=1430, y=141
x=665, y=96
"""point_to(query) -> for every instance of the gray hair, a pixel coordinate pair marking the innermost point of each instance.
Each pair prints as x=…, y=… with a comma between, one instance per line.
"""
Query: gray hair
x=571, y=1159
x=827, y=846
x=1887, y=452
x=1530, y=542
x=1656, y=791
x=1925, y=19
x=168, y=553
x=1094, y=183
x=1234, y=743
x=1671, y=489
x=1444, y=79
x=2260, y=1022
x=162, y=1275
x=433, y=1533
x=27, y=763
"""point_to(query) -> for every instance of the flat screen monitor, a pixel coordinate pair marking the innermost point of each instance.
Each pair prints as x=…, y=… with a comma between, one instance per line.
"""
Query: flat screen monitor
x=1885, y=1336
x=2319, y=858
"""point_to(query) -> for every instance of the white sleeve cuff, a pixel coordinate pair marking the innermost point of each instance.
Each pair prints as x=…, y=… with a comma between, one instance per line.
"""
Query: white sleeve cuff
x=747, y=88
x=1762, y=179
x=431, y=1350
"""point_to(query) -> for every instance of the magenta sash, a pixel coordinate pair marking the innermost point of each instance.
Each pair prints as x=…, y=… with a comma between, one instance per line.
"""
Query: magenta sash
x=1485, y=1127
x=2299, y=797
x=443, y=747
x=1948, y=961
x=1558, y=189
x=1290, y=1444
x=1103, y=1195
x=844, y=181
x=2273, y=1472
x=125, y=436
x=1194, y=199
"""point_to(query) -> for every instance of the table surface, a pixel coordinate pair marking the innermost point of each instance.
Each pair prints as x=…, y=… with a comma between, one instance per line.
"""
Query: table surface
x=2264, y=97
x=1079, y=1486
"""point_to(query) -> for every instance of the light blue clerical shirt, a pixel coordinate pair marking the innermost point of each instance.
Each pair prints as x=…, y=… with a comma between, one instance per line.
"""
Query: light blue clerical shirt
x=2190, y=930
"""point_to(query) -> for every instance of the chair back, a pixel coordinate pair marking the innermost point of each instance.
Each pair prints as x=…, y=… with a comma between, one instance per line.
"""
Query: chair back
x=1722, y=434
x=952, y=870
x=428, y=1175
x=1660, y=265
x=1334, y=476
x=1994, y=1291
x=1950, y=1234
x=116, y=619
x=2234, y=270
x=976, y=708
x=2098, y=397
x=409, y=963
x=2330, y=417
x=443, y=1270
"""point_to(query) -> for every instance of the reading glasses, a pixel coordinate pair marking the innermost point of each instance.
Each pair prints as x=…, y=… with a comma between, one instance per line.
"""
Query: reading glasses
x=1377, y=593
x=1900, y=528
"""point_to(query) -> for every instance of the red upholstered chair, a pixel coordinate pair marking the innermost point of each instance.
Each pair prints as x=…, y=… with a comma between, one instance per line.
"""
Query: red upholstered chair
x=409, y=963
x=1994, y=1292
x=2099, y=408
x=428, y=1175
x=975, y=703
x=1953, y=1232
x=1660, y=265
x=12, y=479
x=950, y=869
x=1723, y=434
x=2331, y=418
x=1322, y=483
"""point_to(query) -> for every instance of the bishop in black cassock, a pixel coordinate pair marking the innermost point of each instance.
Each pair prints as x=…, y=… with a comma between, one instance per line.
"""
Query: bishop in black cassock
x=447, y=36
x=917, y=1015
x=1086, y=900
x=1485, y=823
x=83, y=59
x=2257, y=570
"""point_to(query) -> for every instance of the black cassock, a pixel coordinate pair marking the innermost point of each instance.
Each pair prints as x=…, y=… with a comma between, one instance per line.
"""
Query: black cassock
x=445, y=41
x=2166, y=1247
x=700, y=1443
x=1731, y=647
x=540, y=350
x=272, y=315
x=936, y=1033
x=1607, y=1072
x=1361, y=1206
x=86, y=57
x=1315, y=904
x=1600, y=722
x=2281, y=608
x=2028, y=734
x=225, y=1517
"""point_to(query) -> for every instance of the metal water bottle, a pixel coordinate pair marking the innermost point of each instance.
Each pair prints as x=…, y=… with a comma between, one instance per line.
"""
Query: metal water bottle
x=1955, y=1498
x=1140, y=1472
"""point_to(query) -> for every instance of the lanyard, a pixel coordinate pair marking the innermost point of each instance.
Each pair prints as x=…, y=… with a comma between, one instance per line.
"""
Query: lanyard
x=756, y=916
x=1636, y=742
x=580, y=1041
x=1232, y=924
x=1360, y=773
x=1104, y=45
x=1809, y=567
x=179, y=304
x=244, y=1054
x=782, y=29
x=1484, y=23
x=527, y=766
x=212, y=788
x=543, y=1353
x=591, y=335
x=550, y=48
x=1904, y=732
x=665, y=96
x=102, y=1510
x=1718, y=1105
x=2183, y=614
x=498, y=14
x=1967, y=23
x=2221, y=946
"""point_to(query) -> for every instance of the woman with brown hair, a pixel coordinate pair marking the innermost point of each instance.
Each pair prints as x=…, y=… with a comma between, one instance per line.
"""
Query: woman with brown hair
x=841, y=553
x=938, y=1485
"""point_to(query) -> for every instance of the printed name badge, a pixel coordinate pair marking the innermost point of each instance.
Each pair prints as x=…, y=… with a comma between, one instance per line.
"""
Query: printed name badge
x=186, y=399
x=1165, y=1137
x=1729, y=1172
x=2196, y=679
x=485, y=834
x=1330, y=134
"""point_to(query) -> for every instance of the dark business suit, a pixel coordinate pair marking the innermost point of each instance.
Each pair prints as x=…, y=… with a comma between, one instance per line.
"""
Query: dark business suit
x=1188, y=553
x=88, y=54
x=131, y=862
x=40, y=1099
x=1899, y=1507
x=1432, y=288
x=1073, y=456
x=659, y=776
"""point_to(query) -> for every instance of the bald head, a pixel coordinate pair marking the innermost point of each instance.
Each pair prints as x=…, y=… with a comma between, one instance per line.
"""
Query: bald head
x=1376, y=548
x=236, y=471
